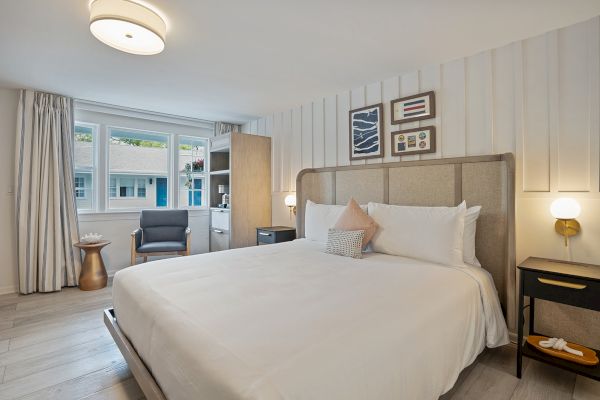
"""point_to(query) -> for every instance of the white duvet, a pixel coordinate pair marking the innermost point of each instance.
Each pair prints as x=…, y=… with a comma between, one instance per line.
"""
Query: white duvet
x=288, y=321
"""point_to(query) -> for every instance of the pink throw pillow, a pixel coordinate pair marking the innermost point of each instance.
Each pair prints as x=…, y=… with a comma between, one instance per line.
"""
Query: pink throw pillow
x=353, y=218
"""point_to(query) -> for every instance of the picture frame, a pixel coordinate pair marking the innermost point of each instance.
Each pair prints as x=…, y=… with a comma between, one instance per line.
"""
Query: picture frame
x=413, y=141
x=366, y=132
x=413, y=108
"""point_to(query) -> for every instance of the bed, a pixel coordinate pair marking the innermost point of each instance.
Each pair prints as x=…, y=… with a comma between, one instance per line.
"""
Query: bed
x=288, y=321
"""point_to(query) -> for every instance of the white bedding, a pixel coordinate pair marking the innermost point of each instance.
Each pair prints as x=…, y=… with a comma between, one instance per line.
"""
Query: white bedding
x=287, y=321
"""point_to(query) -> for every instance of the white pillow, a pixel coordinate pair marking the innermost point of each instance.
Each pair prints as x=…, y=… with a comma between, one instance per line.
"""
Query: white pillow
x=427, y=233
x=469, y=235
x=319, y=218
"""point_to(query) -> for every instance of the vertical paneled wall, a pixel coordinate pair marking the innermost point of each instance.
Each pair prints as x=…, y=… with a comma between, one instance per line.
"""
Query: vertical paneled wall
x=538, y=97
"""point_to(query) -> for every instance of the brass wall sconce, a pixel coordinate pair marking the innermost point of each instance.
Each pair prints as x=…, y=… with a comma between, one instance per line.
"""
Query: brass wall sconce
x=290, y=202
x=565, y=210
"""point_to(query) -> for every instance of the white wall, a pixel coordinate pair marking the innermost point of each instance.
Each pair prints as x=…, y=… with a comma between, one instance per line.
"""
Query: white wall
x=538, y=98
x=9, y=100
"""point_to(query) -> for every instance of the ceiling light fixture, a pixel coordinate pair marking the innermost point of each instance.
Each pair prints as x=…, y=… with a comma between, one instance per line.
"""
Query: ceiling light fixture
x=128, y=26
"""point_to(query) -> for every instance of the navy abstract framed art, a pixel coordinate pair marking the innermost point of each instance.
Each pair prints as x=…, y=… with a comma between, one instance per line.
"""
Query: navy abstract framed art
x=366, y=132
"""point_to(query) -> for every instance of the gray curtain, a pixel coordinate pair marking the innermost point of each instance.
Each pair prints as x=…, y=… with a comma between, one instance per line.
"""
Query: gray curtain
x=46, y=212
x=222, y=128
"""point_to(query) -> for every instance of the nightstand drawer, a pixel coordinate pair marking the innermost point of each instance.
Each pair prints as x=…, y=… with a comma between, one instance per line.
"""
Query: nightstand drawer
x=274, y=234
x=562, y=289
x=266, y=237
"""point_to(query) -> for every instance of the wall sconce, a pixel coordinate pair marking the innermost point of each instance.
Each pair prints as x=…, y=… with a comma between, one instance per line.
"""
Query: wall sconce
x=290, y=201
x=565, y=211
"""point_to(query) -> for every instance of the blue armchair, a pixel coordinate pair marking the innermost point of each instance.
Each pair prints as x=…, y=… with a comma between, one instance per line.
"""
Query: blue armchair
x=161, y=232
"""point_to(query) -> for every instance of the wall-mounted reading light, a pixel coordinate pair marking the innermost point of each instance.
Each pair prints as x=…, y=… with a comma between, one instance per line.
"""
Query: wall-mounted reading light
x=565, y=210
x=290, y=201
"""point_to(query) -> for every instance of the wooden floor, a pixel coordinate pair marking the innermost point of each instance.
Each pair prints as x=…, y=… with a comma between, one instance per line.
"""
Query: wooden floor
x=55, y=346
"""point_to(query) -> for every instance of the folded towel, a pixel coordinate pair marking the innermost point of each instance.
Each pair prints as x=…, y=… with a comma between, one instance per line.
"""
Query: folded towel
x=559, y=344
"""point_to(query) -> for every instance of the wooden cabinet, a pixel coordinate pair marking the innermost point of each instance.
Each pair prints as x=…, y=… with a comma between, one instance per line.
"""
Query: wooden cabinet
x=242, y=163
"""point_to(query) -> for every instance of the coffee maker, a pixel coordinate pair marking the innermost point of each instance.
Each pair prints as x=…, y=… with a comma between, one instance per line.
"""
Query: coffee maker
x=224, y=191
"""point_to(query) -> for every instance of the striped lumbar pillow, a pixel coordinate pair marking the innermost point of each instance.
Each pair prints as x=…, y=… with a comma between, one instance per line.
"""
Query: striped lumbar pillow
x=345, y=243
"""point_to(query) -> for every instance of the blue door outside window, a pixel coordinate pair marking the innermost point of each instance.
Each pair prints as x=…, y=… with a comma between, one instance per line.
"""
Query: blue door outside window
x=161, y=192
x=195, y=196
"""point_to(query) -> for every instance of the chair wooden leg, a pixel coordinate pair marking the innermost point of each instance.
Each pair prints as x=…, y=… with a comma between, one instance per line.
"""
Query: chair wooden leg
x=145, y=258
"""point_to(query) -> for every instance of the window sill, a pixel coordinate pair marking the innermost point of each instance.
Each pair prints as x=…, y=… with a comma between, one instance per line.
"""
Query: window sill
x=113, y=215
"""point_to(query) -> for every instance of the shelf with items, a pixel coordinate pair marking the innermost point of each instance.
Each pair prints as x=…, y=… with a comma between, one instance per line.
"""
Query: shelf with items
x=219, y=181
x=592, y=372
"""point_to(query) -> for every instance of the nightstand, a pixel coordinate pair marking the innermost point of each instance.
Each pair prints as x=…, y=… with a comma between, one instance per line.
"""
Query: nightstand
x=274, y=234
x=563, y=282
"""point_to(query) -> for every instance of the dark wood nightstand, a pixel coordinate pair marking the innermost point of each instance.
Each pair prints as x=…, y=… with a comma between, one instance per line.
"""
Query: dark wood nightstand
x=563, y=282
x=274, y=234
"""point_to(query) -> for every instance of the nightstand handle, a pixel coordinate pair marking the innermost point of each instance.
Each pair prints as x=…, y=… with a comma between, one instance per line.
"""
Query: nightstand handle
x=264, y=234
x=569, y=285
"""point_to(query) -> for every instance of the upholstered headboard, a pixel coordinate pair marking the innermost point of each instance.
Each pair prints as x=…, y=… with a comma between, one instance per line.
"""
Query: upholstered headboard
x=480, y=180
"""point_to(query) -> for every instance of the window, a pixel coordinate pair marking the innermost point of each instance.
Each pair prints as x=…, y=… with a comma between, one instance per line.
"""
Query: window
x=138, y=169
x=121, y=168
x=80, y=187
x=192, y=171
x=84, y=157
x=141, y=188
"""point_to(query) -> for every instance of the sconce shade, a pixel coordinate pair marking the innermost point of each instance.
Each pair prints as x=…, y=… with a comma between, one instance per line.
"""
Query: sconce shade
x=290, y=200
x=565, y=208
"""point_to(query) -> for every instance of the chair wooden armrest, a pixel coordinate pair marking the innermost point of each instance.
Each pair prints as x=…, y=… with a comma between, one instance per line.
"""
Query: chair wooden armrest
x=188, y=241
x=134, y=244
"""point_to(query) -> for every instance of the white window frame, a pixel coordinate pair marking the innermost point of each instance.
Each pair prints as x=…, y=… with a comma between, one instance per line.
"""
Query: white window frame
x=104, y=117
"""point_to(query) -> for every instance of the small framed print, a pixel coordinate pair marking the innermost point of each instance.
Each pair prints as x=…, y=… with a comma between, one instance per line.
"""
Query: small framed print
x=413, y=141
x=413, y=108
x=366, y=132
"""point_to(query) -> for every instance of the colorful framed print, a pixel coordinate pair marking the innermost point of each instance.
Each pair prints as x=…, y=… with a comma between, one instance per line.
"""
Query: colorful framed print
x=413, y=108
x=366, y=132
x=413, y=141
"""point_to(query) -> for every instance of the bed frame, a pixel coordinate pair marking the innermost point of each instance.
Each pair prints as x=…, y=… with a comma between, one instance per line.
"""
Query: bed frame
x=479, y=180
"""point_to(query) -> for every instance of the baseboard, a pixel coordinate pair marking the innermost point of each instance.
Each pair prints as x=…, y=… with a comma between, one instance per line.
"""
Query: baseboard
x=8, y=289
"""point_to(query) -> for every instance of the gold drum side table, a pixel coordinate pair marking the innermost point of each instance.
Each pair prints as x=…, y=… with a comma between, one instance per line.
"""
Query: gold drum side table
x=93, y=273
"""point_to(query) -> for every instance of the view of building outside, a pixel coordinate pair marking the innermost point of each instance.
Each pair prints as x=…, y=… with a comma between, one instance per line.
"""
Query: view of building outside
x=85, y=135
x=192, y=171
x=138, y=167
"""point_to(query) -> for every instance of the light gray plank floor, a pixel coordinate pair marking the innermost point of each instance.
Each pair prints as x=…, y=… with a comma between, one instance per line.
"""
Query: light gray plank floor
x=55, y=346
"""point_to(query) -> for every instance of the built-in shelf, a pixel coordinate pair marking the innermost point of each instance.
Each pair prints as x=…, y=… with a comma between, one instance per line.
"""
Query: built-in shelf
x=220, y=172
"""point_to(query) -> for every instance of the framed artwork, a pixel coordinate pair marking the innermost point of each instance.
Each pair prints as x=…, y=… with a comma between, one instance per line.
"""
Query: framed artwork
x=413, y=108
x=366, y=132
x=413, y=141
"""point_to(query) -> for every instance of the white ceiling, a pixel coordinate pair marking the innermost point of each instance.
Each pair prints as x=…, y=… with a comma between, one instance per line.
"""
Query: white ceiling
x=235, y=60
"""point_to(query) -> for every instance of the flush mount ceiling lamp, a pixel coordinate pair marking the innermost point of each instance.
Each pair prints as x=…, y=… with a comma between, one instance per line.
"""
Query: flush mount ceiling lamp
x=128, y=26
